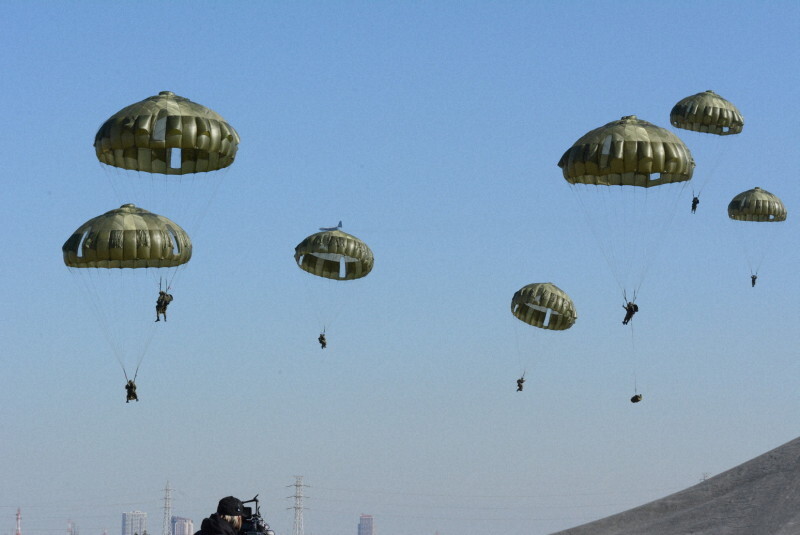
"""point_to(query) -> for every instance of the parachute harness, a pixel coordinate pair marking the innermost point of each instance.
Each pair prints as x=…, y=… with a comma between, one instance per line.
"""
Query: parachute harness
x=635, y=360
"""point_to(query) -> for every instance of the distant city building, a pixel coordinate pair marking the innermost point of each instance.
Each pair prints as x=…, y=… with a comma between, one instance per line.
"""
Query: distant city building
x=134, y=523
x=365, y=525
x=182, y=526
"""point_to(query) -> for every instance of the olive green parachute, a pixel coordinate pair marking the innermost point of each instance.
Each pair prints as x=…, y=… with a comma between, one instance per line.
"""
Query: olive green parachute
x=544, y=305
x=143, y=136
x=757, y=205
x=707, y=112
x=127, y=237
x=627, y=152
x=153, y=249
x=334, y=254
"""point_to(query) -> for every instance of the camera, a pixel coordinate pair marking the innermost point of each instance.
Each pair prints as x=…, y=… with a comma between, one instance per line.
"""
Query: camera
x=252, y=523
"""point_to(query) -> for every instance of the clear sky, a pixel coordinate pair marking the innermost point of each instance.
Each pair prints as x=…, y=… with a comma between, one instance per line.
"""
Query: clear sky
x=432, y=130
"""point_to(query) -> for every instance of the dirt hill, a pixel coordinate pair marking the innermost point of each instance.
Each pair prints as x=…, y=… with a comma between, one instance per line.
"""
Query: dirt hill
x=758, y=497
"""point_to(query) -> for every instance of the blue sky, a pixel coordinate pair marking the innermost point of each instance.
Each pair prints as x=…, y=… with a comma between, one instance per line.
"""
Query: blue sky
x=432, y=130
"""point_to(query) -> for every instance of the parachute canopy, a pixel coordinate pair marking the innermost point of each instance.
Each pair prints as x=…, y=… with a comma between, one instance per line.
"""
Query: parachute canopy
x=707, y=112
x=143, y=136
x=334, y=254
x=628, y=152
x=128, y=237
x=544, y=305
x=757, y=205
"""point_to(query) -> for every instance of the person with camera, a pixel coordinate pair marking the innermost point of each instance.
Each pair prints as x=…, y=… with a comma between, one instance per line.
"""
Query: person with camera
x=226, y=521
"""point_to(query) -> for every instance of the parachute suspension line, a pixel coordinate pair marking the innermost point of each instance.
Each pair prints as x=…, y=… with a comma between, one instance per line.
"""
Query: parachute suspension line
x=103, y=290
x=195, y=198
x=647, y=247
x=660, y=233
x=136, y=372
x=629, y=223
x=219, y=176
x=139, y=359
x=324, y=298
x=123, y=184
x=713, y=167
x=598, y=229
x=635, y=360
x=314, y=302
x=169, y=280
x=124, y=371
x=625, y=299
x=617, y=219
x=752, y=263
x=143, y=352
x=89, y=283
x=517, y=340
x=759, y=259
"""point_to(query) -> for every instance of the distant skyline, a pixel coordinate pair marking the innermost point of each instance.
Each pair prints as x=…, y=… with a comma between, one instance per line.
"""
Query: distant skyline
x=182, y=526
x=134, y=523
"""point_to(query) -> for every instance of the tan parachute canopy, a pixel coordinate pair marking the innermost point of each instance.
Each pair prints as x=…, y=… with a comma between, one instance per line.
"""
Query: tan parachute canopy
x=707, y=112
x=128, y=237
x=142, y=137
x=334, y=254
x=544, y=305
x=757, y=205
x=626, y=153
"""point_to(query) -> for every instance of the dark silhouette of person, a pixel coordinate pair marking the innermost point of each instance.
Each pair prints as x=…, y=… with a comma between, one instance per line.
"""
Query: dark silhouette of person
x=695, y=202
x=753, y=280
x=322, y=341
x=163, y=300
x=130, y=388
x=520, y=382
x=630, y=309
x=226, y=521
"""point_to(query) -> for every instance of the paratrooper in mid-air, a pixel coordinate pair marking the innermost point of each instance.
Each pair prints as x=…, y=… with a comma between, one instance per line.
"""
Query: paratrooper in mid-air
x=130, y=389
x=630, y=309
x=164, y=299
